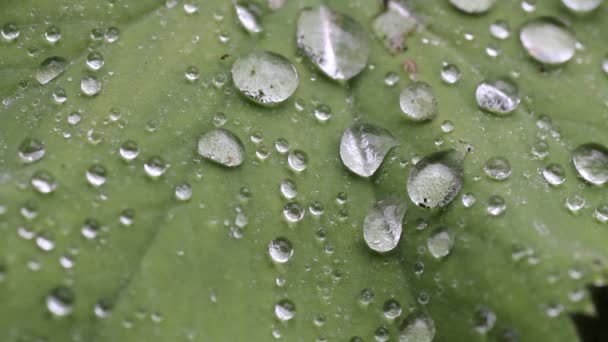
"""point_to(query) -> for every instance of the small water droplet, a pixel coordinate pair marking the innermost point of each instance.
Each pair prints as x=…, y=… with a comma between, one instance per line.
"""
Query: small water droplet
x=497, y=168
x=285, y=310
x=383, y=225
x=417, y=327
x=392, y=309
x=473, y=6
x=394, y=25
x=548, y=41
x=440, y=243
x=554, y=174
x=484, y=320
x=50, y=69
x=450, y=73
x=129, y=150
x=183, y=192
x=591, y=162
x=192, y=73
x=249, y=16
x=10, y=32
x=293, y=212
x=112, y=34
x=601, y=213
x=96, y=175
x=363, y=148
x=43, y=182
x=60, y=301
x=155, y=167
x=496, y=205
x=500, y=29
x=288, y=189
x=31, y=150
x=103, y=308
x=52, y=34
x=90, y=229
x=280, y=250
x=90, y=85
x=418, y=102
x=95, y=60
x=297, y=160
x=499, y=96
x=366, y=297
x=391, y=79
x=223, y=147
x=322, y=113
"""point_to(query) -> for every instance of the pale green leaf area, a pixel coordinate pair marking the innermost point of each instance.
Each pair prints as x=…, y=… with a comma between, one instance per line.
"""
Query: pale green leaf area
x=179, y=274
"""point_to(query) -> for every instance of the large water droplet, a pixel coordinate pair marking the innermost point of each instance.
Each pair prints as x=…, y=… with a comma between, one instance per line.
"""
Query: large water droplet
x=440, y=243
x=265, y=77
x=60, y=301
x=333, y=41
x=548, y=41
x=417, y=327
x=582, y=6
x=383, y=225
x=363, y=148
x=223, y=147
x=394, y=25
x=249, y=16
x=437, y=178
x=497, y=168
x=285, y=310
x=31, y=150
x=417, y=102
x=591, y=163
x=50, y=69
x=280, y=250
x=473, y=6
x=498, y=96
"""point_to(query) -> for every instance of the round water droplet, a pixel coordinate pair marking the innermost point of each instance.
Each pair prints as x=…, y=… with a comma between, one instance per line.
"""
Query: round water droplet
x=473, y=6
x=129, y=150
x=591, y=162
x=248, y=15
x=498, y=96
x=60, y=301
x=500, y=29
x=223, y=147
x=383, y=225
x=265, y=77
x=575, y=203
x=548, y=41
x=366, y=297
x=417, y=327
x=52, y=34
x=95, y=61
x=293, y=212
x=50, y=69
x=285, y=310
x=554, y=174
x=440, y=243
x=322, y=113
x=391, y=79
x=112, y=34
x=468, y=200
x=96, y=175
x=280, y=250
x=43, y=182
x=417, y=102
x=183, y=192
x=297, y=160
x=31, y=150
x=496, y=205
x=437, y=178
x=334, y=42
x=363, y=148
x=450, y=73
x=497, y=168
x=90, y=229
x=192, y=73
x=601, y=213
x=155, y=167
x=381, y=334
x=392, y=309
x=90, y=86
x=10, y=32
x=288, y=189
x=582, y=6
x=484, y=320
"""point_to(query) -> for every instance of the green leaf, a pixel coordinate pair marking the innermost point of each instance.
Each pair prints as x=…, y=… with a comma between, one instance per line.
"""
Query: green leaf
x=199, y=269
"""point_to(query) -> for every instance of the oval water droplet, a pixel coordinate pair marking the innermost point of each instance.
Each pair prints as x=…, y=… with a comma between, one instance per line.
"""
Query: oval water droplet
x=60, y=301
x=334, y=42
x=582, y=6
x=554, y=174
x=43, y=182
x=265, y=77
x=31, y=150
x=500, y=29
x=450, y=73
x=90, y=85
x=50, y=69
x=285, y=310
x=418, y=102
x=383, y=225
x=548, y=41
x=363, y=148
x=417, y=327
x=473, y=6
x=129, y=150
x=498, y=96
x=497, y=168
x=155, y=167
x=249, y=16
x=280, y=250
x=440, y=243
x=223, y=147
x=96, y=175
x=591, y=162
x=297, y=160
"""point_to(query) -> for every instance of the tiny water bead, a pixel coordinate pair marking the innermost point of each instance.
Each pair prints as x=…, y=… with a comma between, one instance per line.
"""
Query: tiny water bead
x=155, y=167
x=468, y=200
x=60, y=301
x=10, y=32
x=192, y=73
x=222, y=147
x=450, y=73
x=182, y=192
x=591, y=162
x=52, y=34
x=601, y=213
x=112, y=34
x=293, y=212
x=284, y=310
x=440, y=243
x=322, y=113
x=363, y=148
x=484, y=320
x=437, y=178
x=575, y=203
x=334, y=42
x=280, y=250
x=392, y=309
x=43, y=182
x=499, y=96
x=391, y=78
x=96, y=175
x=500, y=29
x=366, y=297
x=497, y=168
x=297, y=160
x=31, y=150
x=90, y=85
x=249, y=15
x=90, y=229
x=383, y=225
x=473, y=6
x=548, y=41
x=496, y=205
x=582, y=6
x=417, y=327
x=95, y=61
x=129, y=150
x=554, y=174
x=50, y=69
x=418, y=102
x=265, y=77
x=381, y=334
x=288, y=189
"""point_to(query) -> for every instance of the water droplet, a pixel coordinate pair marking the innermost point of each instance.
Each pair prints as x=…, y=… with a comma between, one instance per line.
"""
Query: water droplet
x=127, y=217
x=473, y=6
x=60, y=301
x=10, y=32
x=484, y=320
x=265, y=77
x=500, y=29
x=440, y=243
x=59, y=95
x=383, y=225
x=554, y=174
x=548, y=41
x=248, y=15
x=280, y=250
x=540, y=149
x=190, y=8
x=103, y=308
x=392, y=309
x=437, y=178
x=297, y=160
x=284, y=310
x=90, y=229
x=90, y=85
x=591, y=162
x=192, y=73
x=52, y=34
x=605, y=65
x=129, y=150
x=322, y=113
x=282, y=146
x=394, y=25
x=497, y=168
x=381, y=334
x=155, y=167
x=582, y=6
x=391, y=78
x=334, y=42
x=496, y=205
x=363, y=148
x=183, y=192
x=96, y=175
x=417, y=327
x=366, y=297
x=223, y=147
x=498, y=96
x=31, y=150
x=450, y=73
x=575, y=203
x=293, y=212
x=112, y=34
x=95, y=61
x=43, y=182
x=50, y=69
x=288, y=189
x=601, y=213
x=417, y=102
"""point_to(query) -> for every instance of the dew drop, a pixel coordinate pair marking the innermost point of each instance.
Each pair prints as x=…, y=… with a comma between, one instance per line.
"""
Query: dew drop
x=440, y=243
x=392, y=309
x=468, y=200
x=582, y=6
x=43, y=182
x=383, y=225
x=60, y=301
x=601, y=213
x=496, y=205
x=591, y=162
x=391, y=79
x=95, y=61
x=322, y=113
x=575, y=203
x=90, y=85
x=418, y=102
x=192, y=73
x=222, y=147
x=297, y=160
x=288, y=189
x=497, y=168
x=183, y=192
x=500, y=29
x=90, y=229
x=280, y=250
x=31, y=150
x=450, y=73
x=10, y=32
x=96, y=175
x=50, y=69
x=293, y=212
x=249, y=16
x=363, y=148
x=155, y=167
x=366, y=297
x=473, y=6
x=112, y=34
x=554, y=174
x=284, y=310
x=498, y=96
x=484, y=320
x=417, y=327
x=129, y=150
x=52, y=34
x=548, y=41
x=381, y=334
x=103, y=308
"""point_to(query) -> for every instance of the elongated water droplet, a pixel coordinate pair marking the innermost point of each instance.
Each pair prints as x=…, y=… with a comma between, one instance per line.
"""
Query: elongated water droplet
x=249, y=16
x=394, y=25
x=500, y=29
x=90, y=86
x=497, y=168
x=265, y=77
x=591, y=162
x=418, y=102
x=440, y=243
x=437, y=178
x=333, y=41
x=383, y=225
x=363, y=148
x=285, y=310
x=280, y=250
x=582, y=6
x=50, y=69
x=473, y=6
x=548, y=41
x=43, y=182
x=31, y=150
x=554, y=174
x=223, y=147
x=417, y=327
x=60, y=301
x=498, y=96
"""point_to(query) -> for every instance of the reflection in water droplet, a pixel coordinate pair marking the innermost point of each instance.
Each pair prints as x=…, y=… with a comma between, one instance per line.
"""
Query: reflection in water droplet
x=363, y=148
x=417, y=327
x=293, y=212
x=496, y=205
x=554, y=174
x=392, y=309
x=498, y=96
x=280, y=250
x=90, y=85
x=223, y=147
x=96, y=175
x=285, y=310
x=484, y=320
x=10, y=32
x=440, y=243
x=417, y=102
x=31, y=150
x=60, y=301
x=155, y=167
x=497, y=168
x=601, y=213
x=297, y=160
x=43, y=182
x=450, y=73
x=383, y=225
x=591, y=162
x=103, y=308
x=248, y=15
x=500, y=29
x=548, y=41
x=582, y=6
x=473, y=6
x=50, y=69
